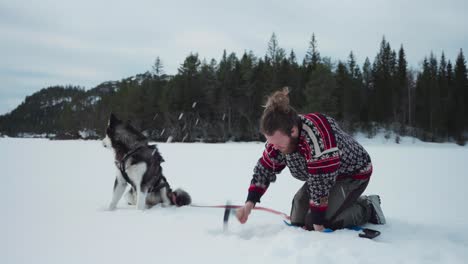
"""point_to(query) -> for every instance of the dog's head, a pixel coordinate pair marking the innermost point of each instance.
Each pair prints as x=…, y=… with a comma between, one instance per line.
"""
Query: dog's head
x=122, y=135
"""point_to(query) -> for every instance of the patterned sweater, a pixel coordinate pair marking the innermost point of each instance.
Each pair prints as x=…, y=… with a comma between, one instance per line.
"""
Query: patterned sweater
x=324, y=155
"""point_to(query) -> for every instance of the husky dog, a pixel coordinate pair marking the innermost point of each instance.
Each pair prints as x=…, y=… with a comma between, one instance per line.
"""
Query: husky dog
x=139, y=164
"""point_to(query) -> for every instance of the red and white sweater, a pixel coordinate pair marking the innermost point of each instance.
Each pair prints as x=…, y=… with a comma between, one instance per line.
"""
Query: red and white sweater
x=325, y=154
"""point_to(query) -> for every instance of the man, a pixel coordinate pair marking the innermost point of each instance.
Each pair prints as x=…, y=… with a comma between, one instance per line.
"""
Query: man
x=335, y=167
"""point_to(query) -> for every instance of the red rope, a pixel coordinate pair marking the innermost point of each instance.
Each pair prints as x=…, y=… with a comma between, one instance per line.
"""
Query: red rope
x=285, y=216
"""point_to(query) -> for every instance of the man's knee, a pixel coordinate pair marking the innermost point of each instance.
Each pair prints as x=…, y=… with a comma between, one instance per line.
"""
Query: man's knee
x=299, y=208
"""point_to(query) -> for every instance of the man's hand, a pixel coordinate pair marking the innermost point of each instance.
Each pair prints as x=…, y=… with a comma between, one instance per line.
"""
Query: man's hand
x=310, y=225
x=319, y=228
x=243, y=213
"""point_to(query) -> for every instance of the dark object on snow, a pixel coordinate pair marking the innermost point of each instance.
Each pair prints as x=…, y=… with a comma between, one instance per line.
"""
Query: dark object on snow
x=227, y=212
x=369, y=233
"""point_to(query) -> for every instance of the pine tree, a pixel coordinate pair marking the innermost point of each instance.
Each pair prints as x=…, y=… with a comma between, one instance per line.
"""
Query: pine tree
x=273, y=59
x=435, y=99
x=402, y=103
x=228, y=81
x=442, y=79
x=292, y=58
x=244, y=99
x=158, y=68
x=366, y=92
x=423, y=100
x=452, y=102
x=393, y=89
x=347, y=92
x=461, y=95
x=312, y=57
x=342, y=94
x=185, y=90
x=223, y=101
x=354, y=104
x=295, y=83
x=274, y=52
x=320, y=91
x=383, y=66
x=209, y=85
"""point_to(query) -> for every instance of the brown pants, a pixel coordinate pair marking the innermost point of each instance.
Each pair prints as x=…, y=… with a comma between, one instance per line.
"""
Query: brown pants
x=346, y=206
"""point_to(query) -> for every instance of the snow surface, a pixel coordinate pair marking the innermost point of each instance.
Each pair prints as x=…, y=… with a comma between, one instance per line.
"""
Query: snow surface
x=55, y=196
x=54, y=102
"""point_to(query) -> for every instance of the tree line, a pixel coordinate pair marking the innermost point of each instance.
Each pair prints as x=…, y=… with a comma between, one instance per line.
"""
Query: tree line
x=215, y=101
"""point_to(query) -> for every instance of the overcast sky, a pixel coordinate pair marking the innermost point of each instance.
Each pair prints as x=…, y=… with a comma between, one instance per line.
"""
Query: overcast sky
x=86, y=42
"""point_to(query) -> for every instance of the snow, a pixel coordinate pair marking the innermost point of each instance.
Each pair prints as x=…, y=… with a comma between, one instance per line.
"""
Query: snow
x=85, y=133
x=55, y=102
x=55, y=196
x=33, y=135
x=93, y=100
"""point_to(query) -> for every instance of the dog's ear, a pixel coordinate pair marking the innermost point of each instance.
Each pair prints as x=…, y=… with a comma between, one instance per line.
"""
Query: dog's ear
x=158, y=156
x=113, y=120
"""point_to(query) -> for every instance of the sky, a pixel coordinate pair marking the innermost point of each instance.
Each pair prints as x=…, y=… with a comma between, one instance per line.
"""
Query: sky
x=84, y=43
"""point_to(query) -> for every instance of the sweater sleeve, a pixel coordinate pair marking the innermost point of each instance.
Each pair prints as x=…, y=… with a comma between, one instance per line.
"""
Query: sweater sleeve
x=271, y=163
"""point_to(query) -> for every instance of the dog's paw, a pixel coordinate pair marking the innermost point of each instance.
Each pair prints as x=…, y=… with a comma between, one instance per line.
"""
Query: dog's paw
x=103, y=208
x=141, y=207
x=112, y=207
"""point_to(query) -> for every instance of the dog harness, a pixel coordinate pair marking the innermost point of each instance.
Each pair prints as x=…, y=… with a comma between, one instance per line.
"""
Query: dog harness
x=162, y=182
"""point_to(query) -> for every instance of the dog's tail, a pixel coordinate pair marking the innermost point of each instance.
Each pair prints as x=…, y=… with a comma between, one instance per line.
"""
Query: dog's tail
x=182, y=197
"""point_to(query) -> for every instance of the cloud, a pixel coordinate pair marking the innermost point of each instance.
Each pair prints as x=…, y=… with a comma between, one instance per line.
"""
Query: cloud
x=87, y=42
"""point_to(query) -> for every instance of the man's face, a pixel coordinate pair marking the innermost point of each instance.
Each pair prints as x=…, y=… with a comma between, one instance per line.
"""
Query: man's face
x=282, y=142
